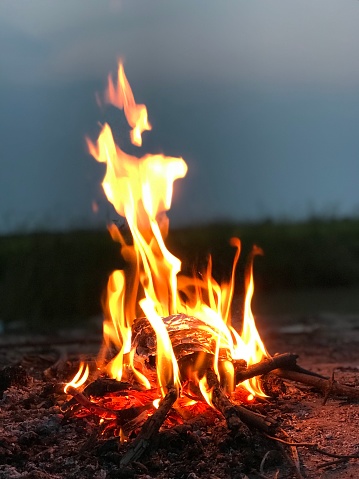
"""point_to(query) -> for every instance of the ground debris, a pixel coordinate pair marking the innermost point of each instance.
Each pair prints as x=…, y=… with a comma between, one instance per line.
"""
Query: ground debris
x=40, y=441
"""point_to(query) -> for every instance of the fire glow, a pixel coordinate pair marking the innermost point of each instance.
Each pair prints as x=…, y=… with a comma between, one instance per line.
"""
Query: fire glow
x=152, y=302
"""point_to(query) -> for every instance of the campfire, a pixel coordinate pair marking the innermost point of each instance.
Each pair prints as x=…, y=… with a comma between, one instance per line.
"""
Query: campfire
x=170, y=352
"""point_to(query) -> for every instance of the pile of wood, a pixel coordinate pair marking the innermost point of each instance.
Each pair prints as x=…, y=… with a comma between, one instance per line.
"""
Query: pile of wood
x=237, y=416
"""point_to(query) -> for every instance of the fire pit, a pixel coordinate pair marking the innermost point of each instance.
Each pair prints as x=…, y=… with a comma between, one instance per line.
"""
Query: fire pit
x=171, y=362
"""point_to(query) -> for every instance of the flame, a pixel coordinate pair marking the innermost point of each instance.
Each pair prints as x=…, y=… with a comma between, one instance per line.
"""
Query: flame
x=141, y=190
x=80, y=377
x=206, y=390
x=121, y=96
x=250, y=336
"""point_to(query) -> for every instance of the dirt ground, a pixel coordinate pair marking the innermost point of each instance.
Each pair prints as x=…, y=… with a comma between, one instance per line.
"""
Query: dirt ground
x=39, y=440
x=326, y=343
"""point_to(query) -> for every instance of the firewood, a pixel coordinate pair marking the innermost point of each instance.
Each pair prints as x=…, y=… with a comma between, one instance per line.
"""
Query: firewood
x=236, y=415
x=286, y=361
x=324, y=385
x=101, y=386
x=150, y=428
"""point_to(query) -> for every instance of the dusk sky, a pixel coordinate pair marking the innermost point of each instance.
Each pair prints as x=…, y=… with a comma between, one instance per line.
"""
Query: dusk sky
x=260, y=97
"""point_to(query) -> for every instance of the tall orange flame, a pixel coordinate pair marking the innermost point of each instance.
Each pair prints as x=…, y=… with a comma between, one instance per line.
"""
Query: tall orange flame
x=141, y=189
x=121, y=95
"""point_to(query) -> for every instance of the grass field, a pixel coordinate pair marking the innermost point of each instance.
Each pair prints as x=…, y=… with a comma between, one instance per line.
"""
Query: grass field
x=47, y=279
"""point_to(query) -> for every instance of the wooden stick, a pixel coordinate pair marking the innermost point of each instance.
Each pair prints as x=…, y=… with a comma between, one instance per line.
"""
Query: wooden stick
x=323, y=465
x=294, y=457
x=292, y=462
x=323, y=385
x=150, y=428
x=287, y=361
x=235, y=415
x=315, y=447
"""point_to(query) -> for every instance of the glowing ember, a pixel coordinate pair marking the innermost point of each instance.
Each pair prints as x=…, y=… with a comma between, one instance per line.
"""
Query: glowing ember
x=183, y=315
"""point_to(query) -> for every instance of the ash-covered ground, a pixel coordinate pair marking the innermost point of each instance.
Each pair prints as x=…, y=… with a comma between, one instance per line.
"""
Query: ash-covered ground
x=39, y=440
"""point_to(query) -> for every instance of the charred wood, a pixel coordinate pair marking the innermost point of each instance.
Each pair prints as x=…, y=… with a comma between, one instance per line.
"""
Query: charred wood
x=101, y=386
x=150, y=428
x=236, y=416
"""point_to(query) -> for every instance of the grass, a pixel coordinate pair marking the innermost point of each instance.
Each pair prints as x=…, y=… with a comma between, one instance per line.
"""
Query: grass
x=48, y=279
x=317, y=253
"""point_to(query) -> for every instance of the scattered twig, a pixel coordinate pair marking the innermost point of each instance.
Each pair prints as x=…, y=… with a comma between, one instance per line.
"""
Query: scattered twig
x=313, y=446
x=339, y=456
x=291, y=461
x=323, y=385
x=291, y=443
x=295, y=456
x=329, y=390
x=333, y=463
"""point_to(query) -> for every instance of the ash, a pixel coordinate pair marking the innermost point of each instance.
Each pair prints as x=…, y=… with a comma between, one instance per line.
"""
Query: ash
x=39, y=441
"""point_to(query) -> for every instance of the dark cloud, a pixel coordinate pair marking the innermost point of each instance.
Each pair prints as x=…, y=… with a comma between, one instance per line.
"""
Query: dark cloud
x=260, y=98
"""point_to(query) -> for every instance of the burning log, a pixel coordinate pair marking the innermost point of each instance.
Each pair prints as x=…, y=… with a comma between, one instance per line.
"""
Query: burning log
x=186, y=340
x=150, y=428
x=105, y=413
x=93, y=408
x=235, y=415
x=238, y=418
x=194, y=346
x=188, y=335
